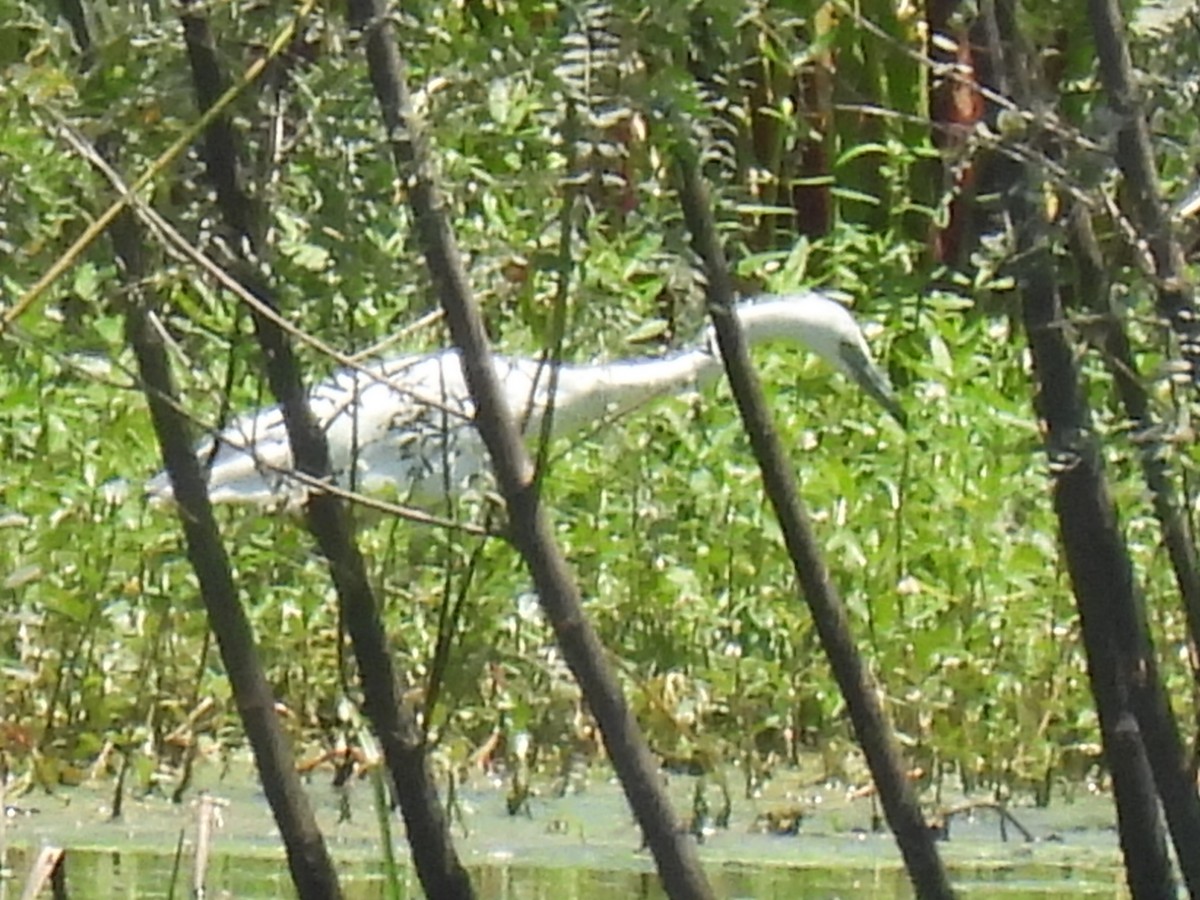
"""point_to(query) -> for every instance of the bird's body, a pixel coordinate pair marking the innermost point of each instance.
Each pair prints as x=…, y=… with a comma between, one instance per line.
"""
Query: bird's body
x=405, y=425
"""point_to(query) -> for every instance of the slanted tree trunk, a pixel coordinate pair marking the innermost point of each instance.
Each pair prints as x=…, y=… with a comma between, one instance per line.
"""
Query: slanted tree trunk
x=530, y=531
x=436, y=861
x=1135, y=719
x=1141, y=200
x=308, y=858
x=309, y=861
x=874, y=733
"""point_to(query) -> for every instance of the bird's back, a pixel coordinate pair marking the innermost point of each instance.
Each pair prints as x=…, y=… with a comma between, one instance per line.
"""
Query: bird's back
x=403, y=426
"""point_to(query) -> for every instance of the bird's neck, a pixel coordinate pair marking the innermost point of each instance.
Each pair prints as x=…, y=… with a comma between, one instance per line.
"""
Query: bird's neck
x=589, y=393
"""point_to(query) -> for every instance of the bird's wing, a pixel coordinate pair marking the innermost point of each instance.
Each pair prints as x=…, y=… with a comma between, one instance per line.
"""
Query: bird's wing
x=405, y=423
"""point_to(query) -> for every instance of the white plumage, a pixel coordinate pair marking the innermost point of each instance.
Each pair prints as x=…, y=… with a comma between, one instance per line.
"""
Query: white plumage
x=405, y=426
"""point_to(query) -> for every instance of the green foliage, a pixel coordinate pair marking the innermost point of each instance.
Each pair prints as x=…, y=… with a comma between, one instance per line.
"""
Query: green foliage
x=940, y=539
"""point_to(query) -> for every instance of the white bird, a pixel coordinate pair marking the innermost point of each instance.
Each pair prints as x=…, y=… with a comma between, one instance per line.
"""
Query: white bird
x=405, y=425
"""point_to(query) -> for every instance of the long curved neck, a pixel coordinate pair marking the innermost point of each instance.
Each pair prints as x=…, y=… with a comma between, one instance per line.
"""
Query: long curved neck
x=610, y=390
x=770, y=318
x=586, y=394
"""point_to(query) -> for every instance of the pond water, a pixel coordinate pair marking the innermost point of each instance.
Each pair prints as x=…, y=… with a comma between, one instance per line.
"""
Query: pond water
x=583, y=846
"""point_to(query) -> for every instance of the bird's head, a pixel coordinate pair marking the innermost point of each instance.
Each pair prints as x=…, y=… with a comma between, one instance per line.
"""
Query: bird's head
x=828, y=330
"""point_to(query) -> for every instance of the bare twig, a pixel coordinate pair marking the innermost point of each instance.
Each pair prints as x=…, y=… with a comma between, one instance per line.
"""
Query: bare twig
x=168, y=156
x=45, y=868
x=1000, y=809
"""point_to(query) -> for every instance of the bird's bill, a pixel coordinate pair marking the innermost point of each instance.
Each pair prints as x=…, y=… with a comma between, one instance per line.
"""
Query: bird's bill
x=874, y=382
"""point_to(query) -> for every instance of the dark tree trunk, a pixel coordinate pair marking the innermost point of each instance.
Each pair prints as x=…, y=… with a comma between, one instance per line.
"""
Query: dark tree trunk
x=530, y=529
x=925, y=867
x=1141, y=200
x=1146, y=432
x=442, y=874
x=1135, y=720
x=1097, y=559
x=1175, y=300
x=308, y=859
